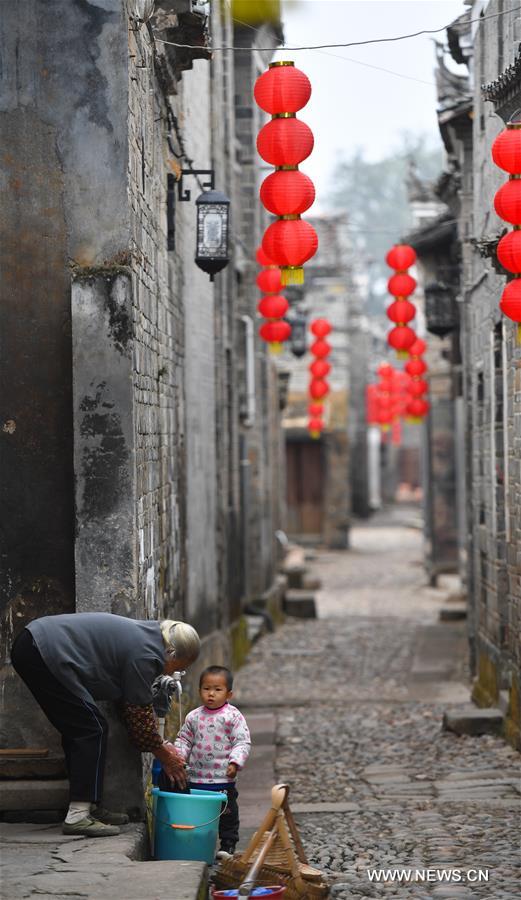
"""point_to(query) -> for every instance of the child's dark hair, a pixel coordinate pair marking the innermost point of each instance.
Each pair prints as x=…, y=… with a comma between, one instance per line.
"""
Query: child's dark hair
x=218, y=670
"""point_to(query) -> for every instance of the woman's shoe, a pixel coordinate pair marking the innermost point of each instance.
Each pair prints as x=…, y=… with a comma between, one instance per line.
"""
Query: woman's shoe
x=108, y=817
x=89, y=827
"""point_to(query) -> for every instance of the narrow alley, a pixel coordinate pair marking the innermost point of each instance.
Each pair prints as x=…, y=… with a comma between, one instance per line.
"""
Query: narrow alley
x=358, y=696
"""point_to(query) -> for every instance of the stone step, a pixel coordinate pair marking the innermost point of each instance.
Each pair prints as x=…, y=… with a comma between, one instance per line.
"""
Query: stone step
x=300, y=603
x=473, y=720
x=453, y=612
x=17, y=795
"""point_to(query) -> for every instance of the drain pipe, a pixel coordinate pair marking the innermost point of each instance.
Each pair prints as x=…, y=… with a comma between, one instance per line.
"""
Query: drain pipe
x=249, y=355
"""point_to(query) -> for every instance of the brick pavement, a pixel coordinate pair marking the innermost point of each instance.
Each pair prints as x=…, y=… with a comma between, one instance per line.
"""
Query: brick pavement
x=357, y=698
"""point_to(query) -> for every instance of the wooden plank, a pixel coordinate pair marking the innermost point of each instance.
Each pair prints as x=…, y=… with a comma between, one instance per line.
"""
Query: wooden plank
x=20, y=752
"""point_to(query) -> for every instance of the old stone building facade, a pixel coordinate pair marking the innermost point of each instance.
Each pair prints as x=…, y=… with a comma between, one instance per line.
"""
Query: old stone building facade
x=137, y=454
x=485, y=365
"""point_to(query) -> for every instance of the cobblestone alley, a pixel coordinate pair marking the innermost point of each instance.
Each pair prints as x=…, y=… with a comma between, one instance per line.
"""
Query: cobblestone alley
x=358, y=697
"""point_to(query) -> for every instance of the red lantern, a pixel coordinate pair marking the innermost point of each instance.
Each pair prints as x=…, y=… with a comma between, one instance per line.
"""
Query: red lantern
x=285, y=142
x=275, y=332
x=273, y=307
x=418, y=348
x=506, y=150
x=400, y=257
x=401, y=338
x=269, y=281
x=401, y=285
x=385, y=417
x=415, y=367
x=290, y=243
x=401, y=311
x=282, y=88
x=287, y=193
x=417, y=408
x=510, y=304
x=318, y=388
x=385, y=370
x=418, y=387
x=262, y=258
x=315, y=410
x=315, y=426
x=320, y=368
x=320, y=328
x=320, y=348
x=509, y=251
x=507, y=202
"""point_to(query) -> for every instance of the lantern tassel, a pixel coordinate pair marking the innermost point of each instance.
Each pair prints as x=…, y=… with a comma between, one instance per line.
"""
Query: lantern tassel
x=292, y=275
x=402, y=354
x=519, y=334
x=314, y=434
x=275, y=347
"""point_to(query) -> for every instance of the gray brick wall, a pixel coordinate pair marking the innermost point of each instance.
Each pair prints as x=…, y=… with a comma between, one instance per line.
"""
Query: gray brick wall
x=492, y=362
x=159, y=347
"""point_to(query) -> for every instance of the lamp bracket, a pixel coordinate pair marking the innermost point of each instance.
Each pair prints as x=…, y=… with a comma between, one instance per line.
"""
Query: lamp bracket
x=208, y=185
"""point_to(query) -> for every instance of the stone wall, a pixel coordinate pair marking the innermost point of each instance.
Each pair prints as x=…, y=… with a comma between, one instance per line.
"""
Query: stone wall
x=156, y=357
x=493, y=384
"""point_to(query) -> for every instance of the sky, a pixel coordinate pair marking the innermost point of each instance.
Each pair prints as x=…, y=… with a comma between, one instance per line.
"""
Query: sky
x=353, y=106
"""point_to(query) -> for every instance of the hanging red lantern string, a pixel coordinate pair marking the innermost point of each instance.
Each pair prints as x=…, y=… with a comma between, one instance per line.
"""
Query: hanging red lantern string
x=284, y=142
x=315, y=410
x=319, y=368
x=401, y=285
x=272, y=306
x=417, y=405
x=506, y=153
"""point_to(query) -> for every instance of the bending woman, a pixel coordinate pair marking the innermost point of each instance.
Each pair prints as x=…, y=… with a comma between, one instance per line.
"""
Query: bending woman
x=70, y=661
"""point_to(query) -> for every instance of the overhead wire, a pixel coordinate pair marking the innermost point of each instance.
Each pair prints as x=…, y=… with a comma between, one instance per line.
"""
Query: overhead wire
x=357, y=62
x=385, y=40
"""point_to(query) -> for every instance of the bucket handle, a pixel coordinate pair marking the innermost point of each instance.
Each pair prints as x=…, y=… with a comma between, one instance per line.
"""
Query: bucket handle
x=190, y=827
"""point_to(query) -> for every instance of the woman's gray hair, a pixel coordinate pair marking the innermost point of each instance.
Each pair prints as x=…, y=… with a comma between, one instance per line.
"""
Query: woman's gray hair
x=181, y=640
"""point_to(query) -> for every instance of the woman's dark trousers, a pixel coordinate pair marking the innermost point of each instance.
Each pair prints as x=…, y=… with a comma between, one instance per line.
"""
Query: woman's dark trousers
x=83, y=728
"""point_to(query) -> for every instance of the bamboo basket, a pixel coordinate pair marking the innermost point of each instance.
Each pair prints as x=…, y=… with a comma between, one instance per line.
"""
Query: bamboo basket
x=274, y=855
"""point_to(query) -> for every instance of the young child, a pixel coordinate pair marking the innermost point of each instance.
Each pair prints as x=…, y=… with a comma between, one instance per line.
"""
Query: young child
x=215, y=742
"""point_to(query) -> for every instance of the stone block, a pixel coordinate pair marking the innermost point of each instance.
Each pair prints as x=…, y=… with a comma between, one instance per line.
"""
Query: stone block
x=453, y=612
x=472, y=720
x=301, y=604
x=34, y=795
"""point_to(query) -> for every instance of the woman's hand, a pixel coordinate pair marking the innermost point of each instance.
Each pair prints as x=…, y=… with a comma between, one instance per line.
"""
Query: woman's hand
x=231, y=771
x=172, y=763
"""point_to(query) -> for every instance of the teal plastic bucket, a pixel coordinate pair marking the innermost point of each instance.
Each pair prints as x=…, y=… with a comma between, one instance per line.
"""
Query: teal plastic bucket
x=200, y=810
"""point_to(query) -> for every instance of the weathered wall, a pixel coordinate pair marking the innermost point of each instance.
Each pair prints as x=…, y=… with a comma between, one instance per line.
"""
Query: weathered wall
x=259, y=449
x=493, y=372
x=63, y=158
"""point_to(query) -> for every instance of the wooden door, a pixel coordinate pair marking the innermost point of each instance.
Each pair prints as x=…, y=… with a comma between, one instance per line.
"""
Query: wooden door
x=305, y=487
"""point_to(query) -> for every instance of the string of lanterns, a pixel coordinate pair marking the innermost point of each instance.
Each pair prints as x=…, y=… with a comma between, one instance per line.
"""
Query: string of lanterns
x=284, y=142
x=400, y=394
x=401, y=285
x=319, y=369
x=418, y=406
x=272, y=305
x=506, y=153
